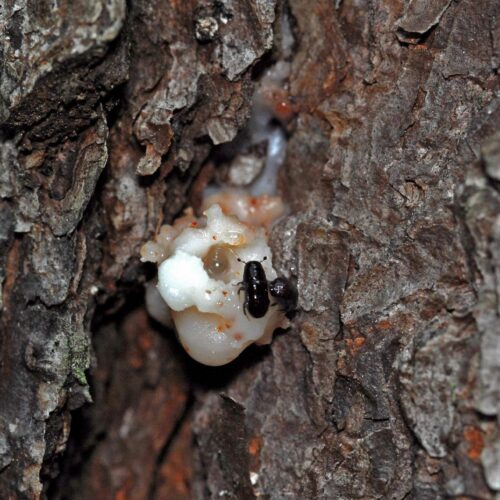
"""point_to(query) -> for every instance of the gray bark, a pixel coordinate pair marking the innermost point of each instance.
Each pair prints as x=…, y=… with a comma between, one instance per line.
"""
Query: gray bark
x=388, y=383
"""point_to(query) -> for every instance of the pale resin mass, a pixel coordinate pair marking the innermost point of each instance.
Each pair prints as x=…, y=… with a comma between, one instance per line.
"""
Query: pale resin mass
x=199, y=273
x=199, y=277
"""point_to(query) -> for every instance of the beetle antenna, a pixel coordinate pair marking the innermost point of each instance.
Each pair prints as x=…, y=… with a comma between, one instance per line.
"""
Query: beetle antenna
x=243, y=261
x=236, y=255
x=263, y=259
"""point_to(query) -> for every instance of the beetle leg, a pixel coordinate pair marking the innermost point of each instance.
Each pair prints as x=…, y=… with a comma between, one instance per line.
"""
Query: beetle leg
x=244, y=302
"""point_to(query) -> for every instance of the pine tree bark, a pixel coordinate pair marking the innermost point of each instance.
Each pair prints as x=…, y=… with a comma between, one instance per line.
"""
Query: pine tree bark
x=388, y=383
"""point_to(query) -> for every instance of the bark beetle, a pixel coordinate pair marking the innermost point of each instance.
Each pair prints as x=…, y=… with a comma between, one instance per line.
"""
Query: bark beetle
x=387, y=384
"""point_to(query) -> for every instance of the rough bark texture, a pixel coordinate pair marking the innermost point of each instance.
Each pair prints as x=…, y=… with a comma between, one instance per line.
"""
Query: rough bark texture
x=388, y=383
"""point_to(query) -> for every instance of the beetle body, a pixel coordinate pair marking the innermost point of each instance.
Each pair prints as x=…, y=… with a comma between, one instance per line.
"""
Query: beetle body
x=284, y=292
x=256, y=289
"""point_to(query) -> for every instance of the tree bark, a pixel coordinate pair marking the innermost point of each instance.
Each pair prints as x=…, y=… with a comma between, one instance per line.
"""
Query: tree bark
x=388, y=383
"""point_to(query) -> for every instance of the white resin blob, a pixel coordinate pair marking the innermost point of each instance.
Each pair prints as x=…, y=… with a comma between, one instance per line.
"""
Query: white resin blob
x=199, y=277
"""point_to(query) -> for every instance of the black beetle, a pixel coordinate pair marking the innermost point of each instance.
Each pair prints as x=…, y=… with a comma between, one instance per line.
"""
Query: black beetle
x=256, y=289
x=284, y=292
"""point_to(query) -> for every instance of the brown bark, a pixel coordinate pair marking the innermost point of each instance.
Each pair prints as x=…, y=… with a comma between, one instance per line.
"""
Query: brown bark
x=387, y=385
